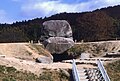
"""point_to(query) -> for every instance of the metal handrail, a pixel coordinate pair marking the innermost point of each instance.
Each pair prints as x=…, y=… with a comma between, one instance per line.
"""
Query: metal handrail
x=75, y=71
x=102, y=70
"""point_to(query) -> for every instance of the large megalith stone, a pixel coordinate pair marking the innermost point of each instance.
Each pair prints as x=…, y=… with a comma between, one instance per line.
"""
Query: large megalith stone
x=58, y=44
x=57, y=36
x=56, y=28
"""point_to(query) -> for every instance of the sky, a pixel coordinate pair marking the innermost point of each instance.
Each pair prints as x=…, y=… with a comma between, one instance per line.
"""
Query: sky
x=18, y=10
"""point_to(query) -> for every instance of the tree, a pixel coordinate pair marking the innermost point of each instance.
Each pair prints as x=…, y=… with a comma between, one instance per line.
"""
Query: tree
x=95, y=26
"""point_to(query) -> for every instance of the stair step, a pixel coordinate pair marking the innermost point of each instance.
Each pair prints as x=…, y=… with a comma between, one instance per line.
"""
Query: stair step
x=82, y=73
x=84, y=80
x=88, y=74
x=95, y=80
x=94, y=77
x=83, y=77
x=81, y=70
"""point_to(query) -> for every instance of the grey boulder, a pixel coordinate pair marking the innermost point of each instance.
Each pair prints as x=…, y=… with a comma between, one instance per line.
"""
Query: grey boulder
x=57, y=36
x=44, y=59
x=58, y=44
x=56, y=28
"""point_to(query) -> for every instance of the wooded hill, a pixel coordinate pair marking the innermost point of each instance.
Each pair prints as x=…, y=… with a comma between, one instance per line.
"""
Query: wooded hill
x=100, y=24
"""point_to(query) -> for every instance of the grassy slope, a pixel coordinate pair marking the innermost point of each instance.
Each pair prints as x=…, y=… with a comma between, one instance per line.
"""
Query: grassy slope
x=96, y=49
x=40, y=50
x=11, y=74
x=113, y=70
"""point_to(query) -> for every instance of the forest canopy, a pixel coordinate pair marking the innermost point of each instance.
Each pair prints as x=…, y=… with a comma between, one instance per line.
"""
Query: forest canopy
x=98, y=25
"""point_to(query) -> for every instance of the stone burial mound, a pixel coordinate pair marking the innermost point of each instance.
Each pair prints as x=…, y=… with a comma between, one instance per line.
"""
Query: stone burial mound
x=57, y=36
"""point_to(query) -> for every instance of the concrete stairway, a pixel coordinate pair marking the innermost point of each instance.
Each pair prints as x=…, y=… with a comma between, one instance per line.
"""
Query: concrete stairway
x=89, y=74
x=83, y=75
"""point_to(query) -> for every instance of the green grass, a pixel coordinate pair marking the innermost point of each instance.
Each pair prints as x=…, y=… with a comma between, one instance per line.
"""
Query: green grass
x=76, y=50
x=11, y=74
x=113, y=70
x=94, y=49
x=53, y=76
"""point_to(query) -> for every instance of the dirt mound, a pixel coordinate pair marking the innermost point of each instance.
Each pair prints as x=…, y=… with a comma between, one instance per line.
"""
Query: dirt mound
x=22, y=51
x=22, y=56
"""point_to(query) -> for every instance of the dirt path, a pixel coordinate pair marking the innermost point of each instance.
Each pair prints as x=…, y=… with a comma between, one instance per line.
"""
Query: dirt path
x=23, y=65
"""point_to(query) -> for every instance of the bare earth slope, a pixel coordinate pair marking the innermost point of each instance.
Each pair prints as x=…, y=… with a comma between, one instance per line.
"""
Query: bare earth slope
x=17, y=50
x=22, y=57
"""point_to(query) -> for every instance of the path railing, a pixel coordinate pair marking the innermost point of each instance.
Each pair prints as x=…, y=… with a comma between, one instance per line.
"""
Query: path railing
x=103, y=74
x=103, y=71
x=75, y=71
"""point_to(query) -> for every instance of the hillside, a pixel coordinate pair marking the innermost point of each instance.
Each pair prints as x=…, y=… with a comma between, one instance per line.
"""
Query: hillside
x=17, y=63
x=23, y=55
x=96, y=49
x=19, y=59
x=113, y=70
x=22, y=51
x=12, y=74
x=101, y=24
